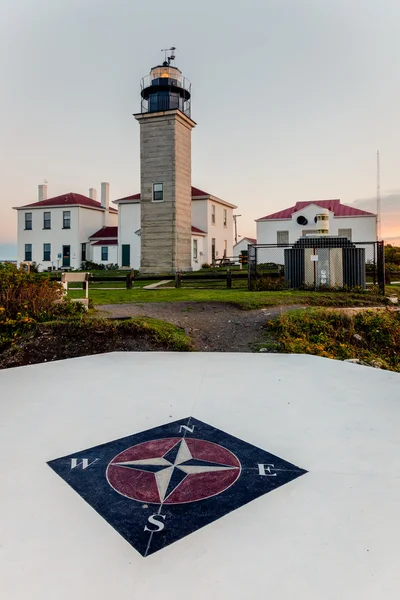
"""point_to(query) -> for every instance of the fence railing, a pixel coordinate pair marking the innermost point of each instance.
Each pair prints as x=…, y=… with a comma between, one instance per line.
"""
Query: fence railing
x=327, y=262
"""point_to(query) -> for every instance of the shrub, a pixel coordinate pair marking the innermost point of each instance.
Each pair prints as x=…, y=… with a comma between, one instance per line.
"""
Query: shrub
x=268, y=283
x=372, y=336
x=26, y=295
x=205, y=266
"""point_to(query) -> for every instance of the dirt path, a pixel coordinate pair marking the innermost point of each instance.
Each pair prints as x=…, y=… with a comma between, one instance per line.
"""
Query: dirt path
x=213, y=327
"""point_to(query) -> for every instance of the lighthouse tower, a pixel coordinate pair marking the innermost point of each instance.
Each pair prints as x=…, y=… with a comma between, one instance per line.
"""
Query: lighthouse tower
x=165, y=169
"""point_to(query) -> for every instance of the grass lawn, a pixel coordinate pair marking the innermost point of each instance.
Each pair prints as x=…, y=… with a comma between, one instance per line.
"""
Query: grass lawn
x=242, y=299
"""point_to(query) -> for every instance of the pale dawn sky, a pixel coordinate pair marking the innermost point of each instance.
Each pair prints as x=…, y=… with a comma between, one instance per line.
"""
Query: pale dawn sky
x=292, y=98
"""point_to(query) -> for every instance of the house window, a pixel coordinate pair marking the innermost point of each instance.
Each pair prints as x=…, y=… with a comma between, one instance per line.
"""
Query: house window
x=213, y=249
x=66, y=219
x=225, y=247
x=308, y=232
x=158, y=192
x=213, y=214
x=194, y=249
x=345, y=233
x=28, y=220
x=46, y=252
x=104, y=253
x=28, y=252
x=225, y=218
x=47, y=220
x=83, y=252
x=282, y=237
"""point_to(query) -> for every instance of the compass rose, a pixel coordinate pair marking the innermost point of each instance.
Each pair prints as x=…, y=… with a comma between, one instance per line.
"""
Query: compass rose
x=173, y=471
x=157, y=486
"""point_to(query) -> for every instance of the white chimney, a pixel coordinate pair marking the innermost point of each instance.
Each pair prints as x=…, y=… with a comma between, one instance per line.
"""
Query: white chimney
x=93, y=193
x=105, y=195
x=42, y=192
x=105, y=201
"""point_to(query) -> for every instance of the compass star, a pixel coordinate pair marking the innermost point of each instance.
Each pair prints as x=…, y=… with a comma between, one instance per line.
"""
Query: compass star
x=171, y=469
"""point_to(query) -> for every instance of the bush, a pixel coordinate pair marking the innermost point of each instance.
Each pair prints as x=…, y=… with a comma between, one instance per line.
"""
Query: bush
x=268, y=283
x=26, y=295
x=372, y=336
x=205, y=266
x=88, y=265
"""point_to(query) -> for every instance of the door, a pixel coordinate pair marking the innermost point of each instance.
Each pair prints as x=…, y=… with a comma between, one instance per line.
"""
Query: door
x=213, y=253
x=126, y=255
x=66, y=256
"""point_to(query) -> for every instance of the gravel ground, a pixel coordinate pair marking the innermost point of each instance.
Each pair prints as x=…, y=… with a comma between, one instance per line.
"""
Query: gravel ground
x=213, y=327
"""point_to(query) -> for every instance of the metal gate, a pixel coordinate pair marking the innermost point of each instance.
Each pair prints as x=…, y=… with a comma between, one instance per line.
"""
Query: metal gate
x=329, y=262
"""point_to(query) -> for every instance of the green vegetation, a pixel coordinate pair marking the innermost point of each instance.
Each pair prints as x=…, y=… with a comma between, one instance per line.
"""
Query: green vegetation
x=240, y=298
x=35, y=320
x=67, y=338
x=370, y=336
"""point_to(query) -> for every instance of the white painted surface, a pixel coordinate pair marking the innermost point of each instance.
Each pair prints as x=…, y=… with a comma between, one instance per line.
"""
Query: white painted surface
x=242, y=245
x=197, y=262
x=332, y=534
x=112, y=255
x=128, y=224
x=218, y=230
x=199, y=214
x=84, y=222
x=363, y=228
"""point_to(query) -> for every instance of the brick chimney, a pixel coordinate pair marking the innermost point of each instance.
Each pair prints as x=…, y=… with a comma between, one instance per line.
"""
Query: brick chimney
x=42, y=192
x=105, y=201
x=93, y=193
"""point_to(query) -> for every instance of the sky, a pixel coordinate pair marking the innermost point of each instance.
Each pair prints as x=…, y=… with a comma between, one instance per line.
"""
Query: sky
x=292, y=99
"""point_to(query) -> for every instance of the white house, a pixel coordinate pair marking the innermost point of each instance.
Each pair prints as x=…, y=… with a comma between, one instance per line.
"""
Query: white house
x=243, y=245
x=212, y=229
x=104, y=246
x=288, y=225
x=55, y=232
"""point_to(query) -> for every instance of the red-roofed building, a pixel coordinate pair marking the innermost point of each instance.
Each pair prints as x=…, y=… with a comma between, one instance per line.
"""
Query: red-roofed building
x=243, y=244
x=56, y=232
x=211, y=232
x=288, y=225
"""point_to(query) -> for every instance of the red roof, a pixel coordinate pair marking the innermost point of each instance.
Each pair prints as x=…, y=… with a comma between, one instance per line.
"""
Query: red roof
x=199, y=231
x=132, y=197
x=105, y=232
x=338, y=209
x=70, y=199
x=252, y=240
x=195, y=192
x=106, y=243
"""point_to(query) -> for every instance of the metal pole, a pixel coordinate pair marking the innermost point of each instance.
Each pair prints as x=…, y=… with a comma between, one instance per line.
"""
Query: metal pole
x=378, y=196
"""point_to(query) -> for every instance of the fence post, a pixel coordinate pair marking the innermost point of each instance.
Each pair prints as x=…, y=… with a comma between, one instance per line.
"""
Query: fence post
x=381, y=266
x=229, y=278
x=178, y=279
x=129, y=279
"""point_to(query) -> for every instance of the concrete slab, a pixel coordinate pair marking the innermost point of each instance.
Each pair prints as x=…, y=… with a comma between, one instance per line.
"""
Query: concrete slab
x=252, y=476
x=157, y=285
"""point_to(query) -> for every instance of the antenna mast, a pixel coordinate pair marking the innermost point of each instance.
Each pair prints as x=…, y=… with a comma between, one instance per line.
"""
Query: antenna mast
x=378, y=196
x=172, y=54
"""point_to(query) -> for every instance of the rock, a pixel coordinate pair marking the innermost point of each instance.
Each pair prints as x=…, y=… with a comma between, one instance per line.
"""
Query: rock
x=263, y=350
x=393, y=299
x=358, y=337
x=356, y=361
x=376, y=364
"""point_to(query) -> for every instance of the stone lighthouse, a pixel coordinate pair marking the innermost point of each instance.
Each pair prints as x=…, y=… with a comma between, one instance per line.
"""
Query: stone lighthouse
x=165, y=169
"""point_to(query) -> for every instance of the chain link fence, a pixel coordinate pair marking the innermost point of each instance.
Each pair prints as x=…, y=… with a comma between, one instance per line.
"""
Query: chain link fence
x=325, y=262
